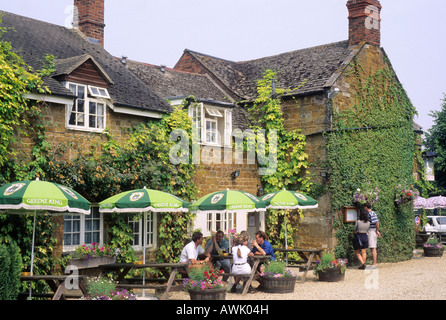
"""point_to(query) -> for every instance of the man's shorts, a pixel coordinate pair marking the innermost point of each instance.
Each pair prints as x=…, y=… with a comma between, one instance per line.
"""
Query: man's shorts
x=373, y=238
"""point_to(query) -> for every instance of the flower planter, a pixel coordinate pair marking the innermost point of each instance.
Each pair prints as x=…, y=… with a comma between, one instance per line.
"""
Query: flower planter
x=92, y=262
x=331, y=275
x=433, y=251
x=208, y=294
x=90, y=267
x=279, y=285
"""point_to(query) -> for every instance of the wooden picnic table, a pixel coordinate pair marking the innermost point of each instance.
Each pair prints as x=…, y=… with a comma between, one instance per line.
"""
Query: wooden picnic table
x=124, y=268
x=307, y=256
x=257, y=259
x=57, y=283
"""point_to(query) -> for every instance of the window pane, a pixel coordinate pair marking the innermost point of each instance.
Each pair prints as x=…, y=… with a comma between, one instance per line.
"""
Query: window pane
x=81, y=92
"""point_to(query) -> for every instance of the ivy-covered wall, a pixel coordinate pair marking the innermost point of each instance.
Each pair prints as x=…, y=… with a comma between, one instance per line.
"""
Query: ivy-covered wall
x=372, y=145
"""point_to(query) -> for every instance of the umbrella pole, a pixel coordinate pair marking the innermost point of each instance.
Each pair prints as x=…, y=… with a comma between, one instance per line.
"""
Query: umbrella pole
x=144, y=251
x=286, y=239
x=32, y=255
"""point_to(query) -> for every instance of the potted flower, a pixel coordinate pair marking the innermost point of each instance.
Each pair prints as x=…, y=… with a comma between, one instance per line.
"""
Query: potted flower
x=203, y=284
x=432, y=248
x=330, y=269
x=405, y=193
x=276, y=278
x=105, y=289
x=91, y=256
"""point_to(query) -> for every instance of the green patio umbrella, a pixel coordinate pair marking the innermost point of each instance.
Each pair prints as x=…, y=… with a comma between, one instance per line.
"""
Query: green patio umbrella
x=288, y=200
x=141, y=201
x=25, y=197
x=228, y=201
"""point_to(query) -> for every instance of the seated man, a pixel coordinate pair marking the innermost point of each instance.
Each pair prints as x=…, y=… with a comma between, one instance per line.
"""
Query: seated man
x=260, y=246
x=213, y=246
x=193, y=253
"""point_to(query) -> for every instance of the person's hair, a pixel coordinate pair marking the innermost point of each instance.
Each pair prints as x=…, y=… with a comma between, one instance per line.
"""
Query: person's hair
x=368, y=205
x=364, y=216
x=219, y=231
x=241, y=240
x=196, y=236
x=261, y=234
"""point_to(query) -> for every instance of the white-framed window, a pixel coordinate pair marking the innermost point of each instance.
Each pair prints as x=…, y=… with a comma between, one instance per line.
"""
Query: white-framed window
x=88, y=111
x=82, y=229
x=219, y=221
x=211, y=132
x=213, y=125
x=137, y=225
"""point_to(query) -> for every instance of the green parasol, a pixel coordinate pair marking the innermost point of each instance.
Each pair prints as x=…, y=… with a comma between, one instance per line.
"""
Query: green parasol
x=23, y=197
x=143, y=200
x=288, y=200
x=228, y=201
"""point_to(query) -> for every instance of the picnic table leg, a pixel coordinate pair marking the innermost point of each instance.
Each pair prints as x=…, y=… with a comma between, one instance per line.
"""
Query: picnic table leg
x=310, y=260
x=169, y=283
x=59, y=292
x=253, y=272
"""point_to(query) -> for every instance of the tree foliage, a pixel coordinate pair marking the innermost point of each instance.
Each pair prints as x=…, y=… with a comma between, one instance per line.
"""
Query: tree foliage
x=435, y=141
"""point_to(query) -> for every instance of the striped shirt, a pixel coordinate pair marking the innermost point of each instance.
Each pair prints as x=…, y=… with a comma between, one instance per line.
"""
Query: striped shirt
x=373, y=218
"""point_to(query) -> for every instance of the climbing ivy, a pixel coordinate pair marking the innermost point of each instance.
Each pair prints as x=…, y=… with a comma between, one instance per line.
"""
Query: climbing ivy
x=141, y=161
x=373, y=141
x=292, y=162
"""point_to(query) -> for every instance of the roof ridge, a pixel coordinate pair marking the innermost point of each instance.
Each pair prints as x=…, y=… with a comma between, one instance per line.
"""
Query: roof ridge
x=208, y=55
x=167, y=68
x=294, y=51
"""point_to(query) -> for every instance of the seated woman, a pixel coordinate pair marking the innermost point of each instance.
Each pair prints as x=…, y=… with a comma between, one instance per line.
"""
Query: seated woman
x=240, y=254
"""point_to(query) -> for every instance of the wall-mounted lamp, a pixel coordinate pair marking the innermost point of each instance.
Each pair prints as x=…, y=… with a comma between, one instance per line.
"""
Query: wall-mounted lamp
x=235, y=174
x=260, y=192
x=333, y=93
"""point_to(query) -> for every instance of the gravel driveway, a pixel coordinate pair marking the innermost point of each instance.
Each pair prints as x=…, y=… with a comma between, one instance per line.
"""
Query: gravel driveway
x=421, y=278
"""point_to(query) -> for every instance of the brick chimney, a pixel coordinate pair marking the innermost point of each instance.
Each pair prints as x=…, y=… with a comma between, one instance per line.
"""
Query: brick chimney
x=89, y=19
x=364, y=22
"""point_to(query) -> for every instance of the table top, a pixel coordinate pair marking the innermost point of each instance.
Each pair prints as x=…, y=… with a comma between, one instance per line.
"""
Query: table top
x=49, y=277
x=221, y=257
x=140, y=266
x=298, y=250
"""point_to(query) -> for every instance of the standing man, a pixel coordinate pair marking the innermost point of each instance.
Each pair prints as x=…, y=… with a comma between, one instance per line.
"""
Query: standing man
x=373, y=233
x=216, y=244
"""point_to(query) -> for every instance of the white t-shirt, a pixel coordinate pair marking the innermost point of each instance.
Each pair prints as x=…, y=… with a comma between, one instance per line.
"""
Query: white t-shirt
x=190, y=251
x=241, y=265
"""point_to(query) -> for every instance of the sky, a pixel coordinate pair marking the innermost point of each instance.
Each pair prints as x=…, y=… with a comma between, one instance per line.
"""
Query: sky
x=157, y=32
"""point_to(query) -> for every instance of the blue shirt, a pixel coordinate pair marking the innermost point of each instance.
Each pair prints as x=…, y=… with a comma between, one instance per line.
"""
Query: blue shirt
x=373, y=218
x=267, y=247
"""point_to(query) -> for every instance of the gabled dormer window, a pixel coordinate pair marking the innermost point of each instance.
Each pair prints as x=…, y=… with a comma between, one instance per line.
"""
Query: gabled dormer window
x=88, y=111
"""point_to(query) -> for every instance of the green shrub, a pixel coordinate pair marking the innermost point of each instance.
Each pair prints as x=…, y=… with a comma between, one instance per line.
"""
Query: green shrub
x=10, y=268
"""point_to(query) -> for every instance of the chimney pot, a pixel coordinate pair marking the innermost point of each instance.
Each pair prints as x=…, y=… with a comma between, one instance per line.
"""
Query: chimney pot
x=364, y=21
